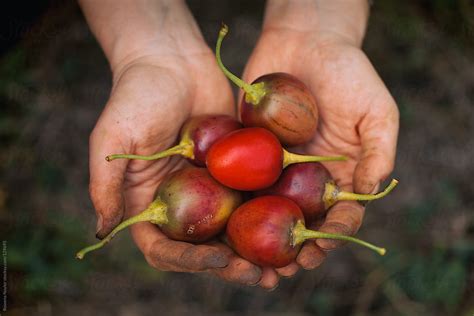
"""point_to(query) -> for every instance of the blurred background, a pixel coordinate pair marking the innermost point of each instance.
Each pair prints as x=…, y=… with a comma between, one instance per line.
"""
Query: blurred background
x=54, y=81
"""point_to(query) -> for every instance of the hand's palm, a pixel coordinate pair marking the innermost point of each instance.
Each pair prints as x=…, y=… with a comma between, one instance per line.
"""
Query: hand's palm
x=148, y=105
x=153, y=102
x=357, y=116
x=347, y=89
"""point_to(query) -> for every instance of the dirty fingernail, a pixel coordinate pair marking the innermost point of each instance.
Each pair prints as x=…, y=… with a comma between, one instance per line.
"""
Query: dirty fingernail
x=273, y=288
x=217, y=260
x=252, y=278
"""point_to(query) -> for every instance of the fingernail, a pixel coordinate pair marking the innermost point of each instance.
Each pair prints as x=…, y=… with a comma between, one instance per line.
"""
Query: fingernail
x=252, y=278
x=312, y=265
x=216, y=261
x=371, y=189
x=365, y=187
x=273, y=288
x=363, y=203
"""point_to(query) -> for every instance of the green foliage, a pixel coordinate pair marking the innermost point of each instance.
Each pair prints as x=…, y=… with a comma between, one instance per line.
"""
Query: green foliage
x=322, y=303
x=71, y=69
x=435, y=279
x=13, y=67
x=44, y=253
x=419, y=215
x=49, y=177
x=406, y=111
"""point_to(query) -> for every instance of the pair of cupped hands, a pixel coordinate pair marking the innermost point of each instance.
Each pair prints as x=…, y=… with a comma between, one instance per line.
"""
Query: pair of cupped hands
x=155, y=92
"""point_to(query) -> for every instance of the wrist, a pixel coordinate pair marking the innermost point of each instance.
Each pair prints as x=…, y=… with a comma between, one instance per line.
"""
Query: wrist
x=174, y=40
x=159, y=49
x=131, y=30
x=338, y=21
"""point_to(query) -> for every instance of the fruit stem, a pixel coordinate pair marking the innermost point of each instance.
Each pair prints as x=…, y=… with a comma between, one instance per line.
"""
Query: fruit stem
x=253, y=92
x=155, y=213
x=301, y=233
x=185, y=148
x=332, y=194
x=291, y=158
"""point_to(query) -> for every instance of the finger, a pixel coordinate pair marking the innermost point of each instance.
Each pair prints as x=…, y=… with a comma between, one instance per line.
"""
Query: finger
x=288, y=271
x=344, y=218
x=106, y=180
x=238, y=270
x=166, y=254
x=378, y=133
x=310, y=256
x=187, y=257
x=269, y=280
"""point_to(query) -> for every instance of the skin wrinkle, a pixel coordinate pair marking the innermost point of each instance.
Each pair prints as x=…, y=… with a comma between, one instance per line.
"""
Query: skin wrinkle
x=159, y=244
x=166, y=25
x=346, y=224
x=332, y=132
x=371, y=114
x=149, y=181
x=328, y=112
x=370, y=150
x=340, y=228
x=310, y=256
x=164, y=9
x=323, y=141
x=195, y=90
x=234, y=271
x=184, y=259
x=161, y=255
x=345, y=183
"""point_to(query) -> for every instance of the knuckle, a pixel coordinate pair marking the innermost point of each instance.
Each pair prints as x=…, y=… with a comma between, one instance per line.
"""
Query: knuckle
x=191, y=258
x=157, y=264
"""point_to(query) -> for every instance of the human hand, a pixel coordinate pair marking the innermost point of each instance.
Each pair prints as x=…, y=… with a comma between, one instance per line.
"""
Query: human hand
x=152, y=95
x=358, y=117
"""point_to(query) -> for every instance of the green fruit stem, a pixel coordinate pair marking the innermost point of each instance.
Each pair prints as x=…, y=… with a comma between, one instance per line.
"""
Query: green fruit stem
x=185, y=148
x=332, y=194
x=291, y=158
x=155, y=213
x=301, y=233
x=254, y=93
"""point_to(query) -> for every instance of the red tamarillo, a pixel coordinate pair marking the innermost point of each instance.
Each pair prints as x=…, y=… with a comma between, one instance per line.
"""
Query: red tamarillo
x=278, y=102
x=197, y=135
x=189, y=206
x=269, y=231
x=311, y=186
x=252, y=159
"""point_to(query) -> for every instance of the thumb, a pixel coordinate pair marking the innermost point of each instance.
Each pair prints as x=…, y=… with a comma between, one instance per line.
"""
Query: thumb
x=106, y=180
x=378, y=135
